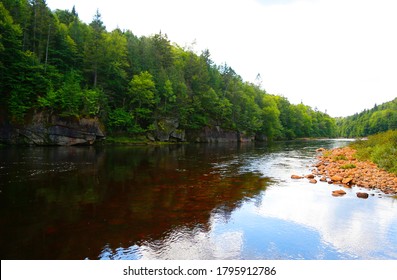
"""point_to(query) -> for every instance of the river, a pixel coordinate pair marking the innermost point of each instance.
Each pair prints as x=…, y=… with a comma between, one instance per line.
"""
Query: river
x=229, y=201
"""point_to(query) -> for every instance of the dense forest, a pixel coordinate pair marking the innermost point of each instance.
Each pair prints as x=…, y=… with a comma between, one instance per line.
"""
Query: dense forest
x=52, y=61
x=380, y=118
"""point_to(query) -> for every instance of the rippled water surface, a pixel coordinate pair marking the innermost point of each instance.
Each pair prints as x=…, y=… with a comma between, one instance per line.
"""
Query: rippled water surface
x=185, y=202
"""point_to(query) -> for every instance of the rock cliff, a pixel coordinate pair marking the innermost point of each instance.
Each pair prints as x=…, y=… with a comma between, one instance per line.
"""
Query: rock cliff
x=216, y=134
x=45, y=130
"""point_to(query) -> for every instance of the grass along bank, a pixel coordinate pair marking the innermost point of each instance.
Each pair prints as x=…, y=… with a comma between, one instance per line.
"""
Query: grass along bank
x=380, y=149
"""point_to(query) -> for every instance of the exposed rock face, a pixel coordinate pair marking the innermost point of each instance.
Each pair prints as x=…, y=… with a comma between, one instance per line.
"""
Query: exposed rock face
x=45, y=130
x=243, y=137
x=216, y=134
x=167, y=131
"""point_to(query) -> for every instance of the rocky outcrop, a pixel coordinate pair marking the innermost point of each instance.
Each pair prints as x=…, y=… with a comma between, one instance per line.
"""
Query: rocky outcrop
x=244, y=137
x=166, y=130
x=47, y=130
x=216, y=134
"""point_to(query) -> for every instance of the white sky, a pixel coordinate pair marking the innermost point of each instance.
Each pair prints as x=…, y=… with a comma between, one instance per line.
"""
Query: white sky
x=336, y=55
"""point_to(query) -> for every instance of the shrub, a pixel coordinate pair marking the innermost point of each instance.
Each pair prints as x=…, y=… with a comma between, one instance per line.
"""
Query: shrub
x=348, y=166
x=380, y=148
x=340, y=157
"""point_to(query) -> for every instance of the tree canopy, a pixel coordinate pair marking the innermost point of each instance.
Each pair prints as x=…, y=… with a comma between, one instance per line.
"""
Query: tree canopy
x=52, y=61
x=380, y=118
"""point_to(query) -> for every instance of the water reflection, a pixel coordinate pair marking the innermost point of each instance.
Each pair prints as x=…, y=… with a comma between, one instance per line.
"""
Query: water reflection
x=291, y=220
x=116, y=196
x=184, y=202
x=183, y=244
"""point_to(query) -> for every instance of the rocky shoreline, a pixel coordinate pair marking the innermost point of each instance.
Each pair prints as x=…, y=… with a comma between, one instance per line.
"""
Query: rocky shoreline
x=340, y=167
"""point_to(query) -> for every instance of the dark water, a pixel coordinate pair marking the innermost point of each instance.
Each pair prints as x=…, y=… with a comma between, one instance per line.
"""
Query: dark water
x=184, y=202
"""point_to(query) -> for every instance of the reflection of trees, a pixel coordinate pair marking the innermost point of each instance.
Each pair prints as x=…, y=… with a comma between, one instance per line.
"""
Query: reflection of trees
x=119, y=196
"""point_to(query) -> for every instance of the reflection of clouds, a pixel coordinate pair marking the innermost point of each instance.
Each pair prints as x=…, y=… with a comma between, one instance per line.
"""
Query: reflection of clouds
x=183, y=244
x=290, y=220
x=352, y=225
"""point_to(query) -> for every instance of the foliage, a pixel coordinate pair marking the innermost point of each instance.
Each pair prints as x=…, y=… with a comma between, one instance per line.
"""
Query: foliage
x=348, y=166
x=379, y=119
x=119, y=119
x=52, y=61
x=381, y=149
x=340, y=157
x=71, y=100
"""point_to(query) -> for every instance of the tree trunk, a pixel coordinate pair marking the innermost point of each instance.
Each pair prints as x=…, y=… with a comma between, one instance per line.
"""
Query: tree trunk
x=46, y=50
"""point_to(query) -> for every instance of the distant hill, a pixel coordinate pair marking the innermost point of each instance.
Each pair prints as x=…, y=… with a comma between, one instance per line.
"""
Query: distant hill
x=378, y=119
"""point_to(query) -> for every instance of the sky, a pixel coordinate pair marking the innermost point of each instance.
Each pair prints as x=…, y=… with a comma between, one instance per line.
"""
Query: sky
x=338, y=56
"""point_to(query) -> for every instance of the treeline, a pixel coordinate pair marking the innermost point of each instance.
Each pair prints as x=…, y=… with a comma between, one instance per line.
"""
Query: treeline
x=380, y=118
x=52, y=61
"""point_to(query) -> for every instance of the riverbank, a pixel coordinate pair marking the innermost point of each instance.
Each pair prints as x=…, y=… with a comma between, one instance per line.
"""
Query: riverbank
x=340, y=166
x=137, y=141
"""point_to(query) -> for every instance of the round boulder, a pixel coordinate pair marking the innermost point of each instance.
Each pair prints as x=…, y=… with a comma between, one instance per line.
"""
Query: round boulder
x=362, y=195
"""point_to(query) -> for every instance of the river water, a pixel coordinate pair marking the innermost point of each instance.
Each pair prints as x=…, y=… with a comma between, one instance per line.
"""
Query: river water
x=185, y=202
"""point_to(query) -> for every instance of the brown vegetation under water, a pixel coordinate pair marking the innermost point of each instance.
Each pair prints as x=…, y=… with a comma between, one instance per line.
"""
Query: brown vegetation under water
x=340, y=166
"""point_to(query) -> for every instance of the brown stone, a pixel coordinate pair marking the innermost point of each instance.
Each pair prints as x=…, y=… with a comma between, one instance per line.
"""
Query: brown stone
x=296, y=177
x=323, y=179
x=362, y=195
x=336, y=178
x=338, y=193
x=313, y=181
x=347, y=181
x=318, y=164
x=310, y=176
x=366, y=174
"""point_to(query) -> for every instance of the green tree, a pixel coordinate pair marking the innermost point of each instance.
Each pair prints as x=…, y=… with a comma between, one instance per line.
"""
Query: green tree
x=94, y=48
x=142, y=98
x=272, y=127
x=114, y=64
x=10, y=52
